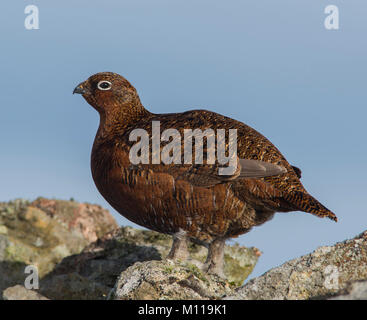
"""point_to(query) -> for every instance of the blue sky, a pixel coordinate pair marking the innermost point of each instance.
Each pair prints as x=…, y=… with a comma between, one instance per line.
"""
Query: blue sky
x=270, y=64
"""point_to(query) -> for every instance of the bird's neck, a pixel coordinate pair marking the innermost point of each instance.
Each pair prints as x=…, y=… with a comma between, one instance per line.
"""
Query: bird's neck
x=118, y=118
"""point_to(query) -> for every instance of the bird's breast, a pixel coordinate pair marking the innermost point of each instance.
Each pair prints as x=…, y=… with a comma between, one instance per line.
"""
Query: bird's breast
x=161, y=202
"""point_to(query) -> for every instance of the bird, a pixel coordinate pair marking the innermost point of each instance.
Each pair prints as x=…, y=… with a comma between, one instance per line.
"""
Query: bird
x=189, y=201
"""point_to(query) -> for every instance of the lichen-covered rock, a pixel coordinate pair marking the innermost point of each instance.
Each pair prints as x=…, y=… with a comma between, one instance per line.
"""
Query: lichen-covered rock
x=93, y=273
x=127, y=263
x=90, y=220
x=354, y=291
x=19, y=292
x=318, y=275
x=165, y=280
x=43, y=232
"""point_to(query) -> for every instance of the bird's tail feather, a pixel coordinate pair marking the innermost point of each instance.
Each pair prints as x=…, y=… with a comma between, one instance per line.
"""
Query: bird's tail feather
x=305, y=202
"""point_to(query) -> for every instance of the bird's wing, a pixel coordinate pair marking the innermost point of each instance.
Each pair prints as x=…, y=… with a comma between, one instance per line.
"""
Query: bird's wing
x=208, y=175
x=259, y=169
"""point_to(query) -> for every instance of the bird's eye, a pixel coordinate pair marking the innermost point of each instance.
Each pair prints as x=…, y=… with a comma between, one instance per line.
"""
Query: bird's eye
x=104, y=85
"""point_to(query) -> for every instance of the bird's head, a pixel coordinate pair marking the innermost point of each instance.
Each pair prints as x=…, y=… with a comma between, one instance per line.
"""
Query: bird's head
x=108, y=91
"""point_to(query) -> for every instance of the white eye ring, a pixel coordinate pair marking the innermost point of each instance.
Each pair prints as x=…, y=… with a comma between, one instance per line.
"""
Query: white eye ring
x=102, y=85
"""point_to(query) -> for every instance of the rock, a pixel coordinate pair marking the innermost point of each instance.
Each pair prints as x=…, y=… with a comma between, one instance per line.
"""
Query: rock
x=93, y=273
x=354, y=291
x=80, y=254
x=43, y=232
x=165, y=280
x=319, y=275
x=19, y=292
x=90, y=220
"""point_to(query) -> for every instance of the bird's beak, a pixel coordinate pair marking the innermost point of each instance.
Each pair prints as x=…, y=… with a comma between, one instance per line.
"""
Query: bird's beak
x=79, y=89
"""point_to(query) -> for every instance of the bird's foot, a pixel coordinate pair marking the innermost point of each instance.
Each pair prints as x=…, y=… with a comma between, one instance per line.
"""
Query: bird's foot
x=214, y=269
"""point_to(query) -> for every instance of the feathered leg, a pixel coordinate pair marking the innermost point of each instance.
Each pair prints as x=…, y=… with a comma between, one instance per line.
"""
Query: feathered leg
x=179, y=249
x=215, y=260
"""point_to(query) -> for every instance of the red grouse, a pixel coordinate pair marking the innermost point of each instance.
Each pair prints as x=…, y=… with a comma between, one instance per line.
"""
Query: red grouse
x=190, y=201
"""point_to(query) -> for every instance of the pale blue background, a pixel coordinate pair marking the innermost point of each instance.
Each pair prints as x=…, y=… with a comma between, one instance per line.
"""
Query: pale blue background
x=270, y=64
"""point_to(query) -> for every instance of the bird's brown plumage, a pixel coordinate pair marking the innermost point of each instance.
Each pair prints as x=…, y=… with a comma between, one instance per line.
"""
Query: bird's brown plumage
x=186, y=198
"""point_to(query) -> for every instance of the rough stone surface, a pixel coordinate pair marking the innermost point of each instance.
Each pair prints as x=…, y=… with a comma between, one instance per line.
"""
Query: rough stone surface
x=126, y=263
x=93, y=273
x=19, y=292
x=43, y=232
x=354, y=291
x=165, y=280
x=321, y=274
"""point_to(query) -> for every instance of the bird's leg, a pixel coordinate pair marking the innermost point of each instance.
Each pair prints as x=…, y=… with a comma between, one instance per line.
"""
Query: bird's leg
x=179, y=249
x=215, y=260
